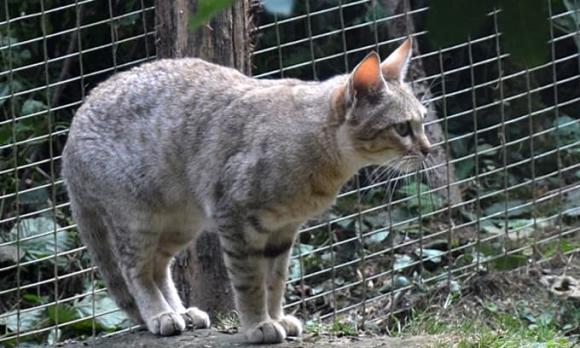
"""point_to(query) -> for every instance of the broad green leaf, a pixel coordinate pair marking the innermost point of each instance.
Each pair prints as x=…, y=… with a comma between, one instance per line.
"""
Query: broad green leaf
x=525, y=30
x=26, y=321
x=207, y=9
x=450, y=22
x=102, y=304
x=33, y=298
x=465, y=168
x=427, y=202
x=31, y=106
x=44, y=245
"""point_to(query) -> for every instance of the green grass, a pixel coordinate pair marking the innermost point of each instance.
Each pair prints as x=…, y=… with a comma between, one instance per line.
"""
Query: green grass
x=489, y=330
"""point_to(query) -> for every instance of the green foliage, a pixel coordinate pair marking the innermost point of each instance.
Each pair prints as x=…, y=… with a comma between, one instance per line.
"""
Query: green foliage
x=39, y=238
x=451, y=22
x=527, y=17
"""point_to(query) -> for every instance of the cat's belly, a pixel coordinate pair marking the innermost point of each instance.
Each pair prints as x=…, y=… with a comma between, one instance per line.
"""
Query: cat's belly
x=181, y=225
x=296, y=212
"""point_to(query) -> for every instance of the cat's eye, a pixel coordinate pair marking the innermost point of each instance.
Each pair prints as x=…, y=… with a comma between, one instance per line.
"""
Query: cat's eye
x=403, y=128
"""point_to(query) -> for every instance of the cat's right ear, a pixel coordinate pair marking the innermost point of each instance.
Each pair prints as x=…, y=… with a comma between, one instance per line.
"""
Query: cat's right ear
x=366, y=78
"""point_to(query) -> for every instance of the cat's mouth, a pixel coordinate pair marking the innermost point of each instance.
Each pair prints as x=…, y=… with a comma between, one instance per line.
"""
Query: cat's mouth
x=410, y=163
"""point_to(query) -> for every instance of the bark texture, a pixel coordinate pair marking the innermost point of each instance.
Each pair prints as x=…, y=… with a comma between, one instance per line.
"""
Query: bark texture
x=199, y=271
x=404, y=26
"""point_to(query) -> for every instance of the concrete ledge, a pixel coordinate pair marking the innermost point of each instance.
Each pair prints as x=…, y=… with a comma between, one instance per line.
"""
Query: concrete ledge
x=213, y=339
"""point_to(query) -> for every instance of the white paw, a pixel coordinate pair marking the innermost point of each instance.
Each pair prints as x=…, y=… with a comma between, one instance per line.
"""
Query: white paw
x=291, y=325
x=166, y=324
x=196, y=317
x=268, y=331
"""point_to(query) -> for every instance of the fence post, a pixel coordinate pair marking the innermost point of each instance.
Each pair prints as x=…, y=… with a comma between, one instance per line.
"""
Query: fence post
x=199, y=271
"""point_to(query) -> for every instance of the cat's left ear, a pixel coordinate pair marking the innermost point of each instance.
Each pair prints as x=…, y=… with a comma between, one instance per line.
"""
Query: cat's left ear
x=396, y=65
x=366, y=78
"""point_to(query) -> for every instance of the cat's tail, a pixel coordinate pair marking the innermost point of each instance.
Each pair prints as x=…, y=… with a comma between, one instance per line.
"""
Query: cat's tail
x=95, y=236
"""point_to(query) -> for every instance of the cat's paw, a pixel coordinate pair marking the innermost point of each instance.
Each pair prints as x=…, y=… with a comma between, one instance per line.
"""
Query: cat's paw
x=268, y=331
x=166, y=324
x=291, y=325
x=196, y=317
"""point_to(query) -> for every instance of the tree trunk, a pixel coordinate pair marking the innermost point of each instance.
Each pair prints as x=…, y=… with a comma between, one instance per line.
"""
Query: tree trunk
x=199, y=271
x=403, y=26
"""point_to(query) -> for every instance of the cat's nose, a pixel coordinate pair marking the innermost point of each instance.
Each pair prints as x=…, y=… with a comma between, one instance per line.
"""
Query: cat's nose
x=425, y=149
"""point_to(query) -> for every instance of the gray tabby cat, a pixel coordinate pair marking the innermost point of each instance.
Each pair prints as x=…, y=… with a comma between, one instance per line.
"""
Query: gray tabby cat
x=163, y=151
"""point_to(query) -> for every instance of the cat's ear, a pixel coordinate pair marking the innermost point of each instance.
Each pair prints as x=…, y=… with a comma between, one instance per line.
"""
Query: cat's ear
x=366, y=78
x=396, y=65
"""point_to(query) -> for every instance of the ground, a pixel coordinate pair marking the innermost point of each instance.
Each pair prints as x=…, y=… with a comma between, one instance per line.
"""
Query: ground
x=536, y=306
x=214, y=339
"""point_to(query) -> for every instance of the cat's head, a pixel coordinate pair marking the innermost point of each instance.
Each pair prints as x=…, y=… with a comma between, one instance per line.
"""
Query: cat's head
x=381, y=121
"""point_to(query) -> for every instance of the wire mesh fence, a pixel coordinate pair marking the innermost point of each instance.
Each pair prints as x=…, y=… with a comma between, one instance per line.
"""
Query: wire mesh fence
x=512, y=136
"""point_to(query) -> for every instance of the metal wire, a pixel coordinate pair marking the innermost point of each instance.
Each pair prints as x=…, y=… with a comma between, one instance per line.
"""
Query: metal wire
x=355, y=263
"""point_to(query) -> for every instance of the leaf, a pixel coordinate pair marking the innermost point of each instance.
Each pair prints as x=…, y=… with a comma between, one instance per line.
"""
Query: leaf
x=378, y=237
x=102, y=304
x=31, y=106
x=207, y=9
x=402, y=262
x=486, y=150
x=28, y=320
x=450, y=22
x=491, y=227
x=54, y=336
x=568, y=129
x=44, y=245
x=35, y=199
x=433, y=255
x=283, y=7
x=420, y=200
x=509, y=262
x=301, y=248
x=33, y=298
x=62, y=313
x=464, y=169
x=525, y=28
x=502, y=206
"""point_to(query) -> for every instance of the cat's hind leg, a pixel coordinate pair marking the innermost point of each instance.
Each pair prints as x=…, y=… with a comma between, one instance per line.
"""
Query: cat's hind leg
x=192, y=315
x=137, y=246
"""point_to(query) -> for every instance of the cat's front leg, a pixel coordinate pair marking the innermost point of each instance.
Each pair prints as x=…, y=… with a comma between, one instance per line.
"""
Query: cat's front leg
x=246, y=264
x=278, y=258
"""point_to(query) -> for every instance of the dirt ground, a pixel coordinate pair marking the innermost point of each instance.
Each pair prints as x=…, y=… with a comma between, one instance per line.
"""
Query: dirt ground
x=213, y=339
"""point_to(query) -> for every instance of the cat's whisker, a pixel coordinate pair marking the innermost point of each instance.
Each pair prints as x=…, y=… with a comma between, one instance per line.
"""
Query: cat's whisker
x=377, y=175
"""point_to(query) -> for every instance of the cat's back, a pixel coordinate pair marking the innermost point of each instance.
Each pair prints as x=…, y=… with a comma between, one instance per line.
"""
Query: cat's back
x=163, y=83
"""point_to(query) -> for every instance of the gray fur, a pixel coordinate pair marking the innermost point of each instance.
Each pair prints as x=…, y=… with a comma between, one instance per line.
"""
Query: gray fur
x=158, y=153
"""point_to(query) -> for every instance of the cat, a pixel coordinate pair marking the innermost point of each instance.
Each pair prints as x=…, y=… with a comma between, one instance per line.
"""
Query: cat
x=161, y=152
